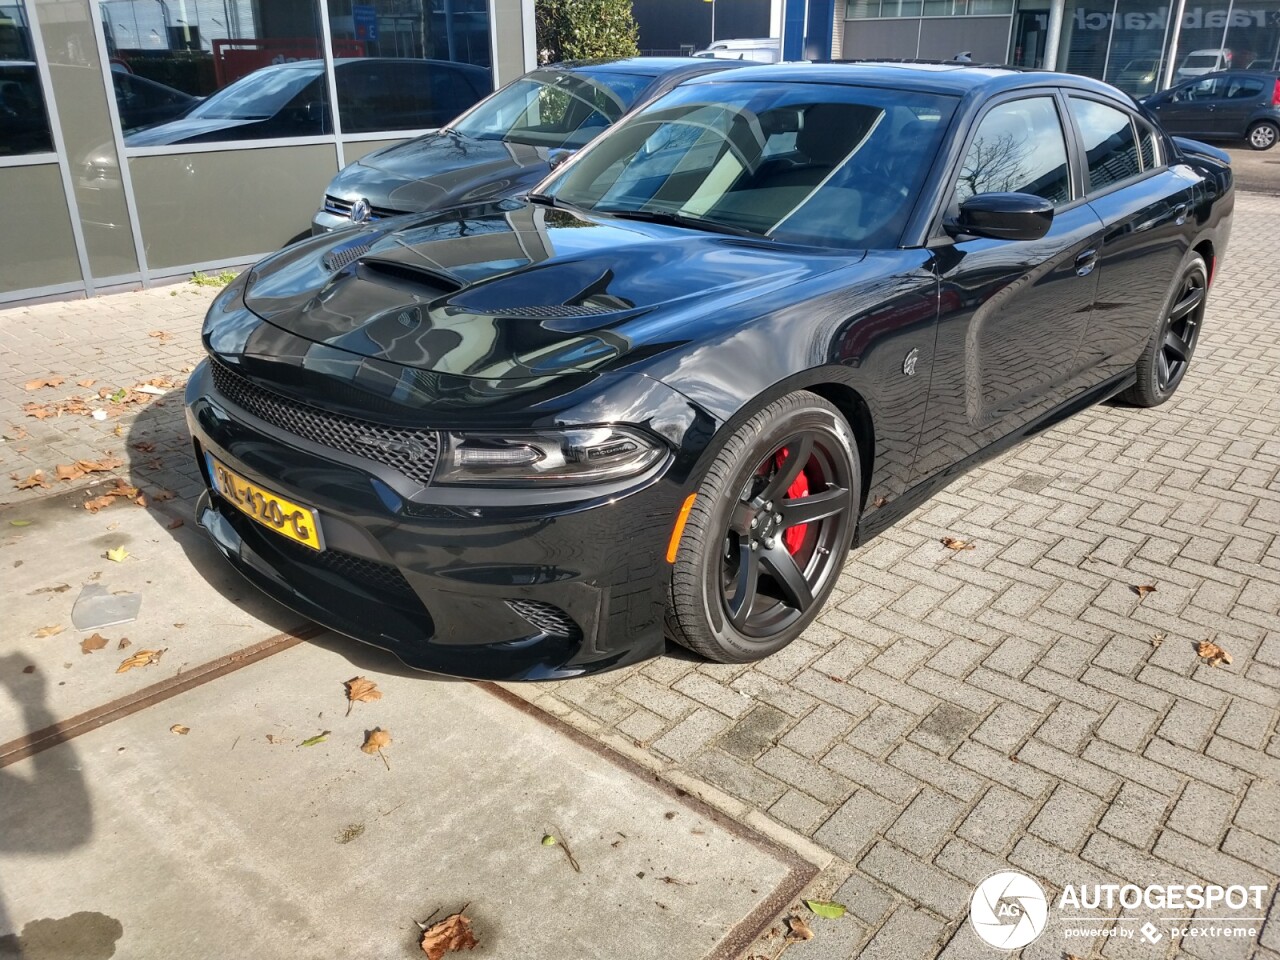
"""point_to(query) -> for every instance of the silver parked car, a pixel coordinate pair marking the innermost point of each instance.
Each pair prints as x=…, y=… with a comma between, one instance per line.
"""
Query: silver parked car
x=504, y=144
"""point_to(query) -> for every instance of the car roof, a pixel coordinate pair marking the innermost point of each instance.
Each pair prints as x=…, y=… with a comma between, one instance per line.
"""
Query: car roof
x=926, y=76
x=638, y=66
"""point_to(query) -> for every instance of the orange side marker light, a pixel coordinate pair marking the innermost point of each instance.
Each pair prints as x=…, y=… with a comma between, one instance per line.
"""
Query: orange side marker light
x=678, y=530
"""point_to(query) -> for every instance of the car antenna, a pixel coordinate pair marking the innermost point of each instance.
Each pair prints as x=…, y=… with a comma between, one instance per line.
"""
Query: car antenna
x=965, y=56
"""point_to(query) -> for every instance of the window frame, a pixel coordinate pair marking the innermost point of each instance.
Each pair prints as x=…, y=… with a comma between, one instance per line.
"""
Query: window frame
x=1143, y=172
x=937, y=233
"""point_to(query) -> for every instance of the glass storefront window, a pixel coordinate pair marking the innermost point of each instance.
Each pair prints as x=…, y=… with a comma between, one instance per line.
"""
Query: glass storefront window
x=408, y=67
x=200, y=71
x=1086, y=29
x=1253, y=35
x=24, y=121
x=1136, y=62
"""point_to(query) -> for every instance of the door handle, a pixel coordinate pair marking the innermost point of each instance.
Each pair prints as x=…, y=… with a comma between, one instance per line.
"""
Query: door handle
x=1085, y=262
x=1180, y=213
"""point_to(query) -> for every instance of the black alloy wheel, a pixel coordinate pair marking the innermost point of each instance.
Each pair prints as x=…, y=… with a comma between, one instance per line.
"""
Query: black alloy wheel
x=1168, y=354
x=768, y=534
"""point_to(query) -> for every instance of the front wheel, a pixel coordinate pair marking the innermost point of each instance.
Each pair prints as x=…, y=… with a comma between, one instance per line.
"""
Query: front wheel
x=1263, y=135
x=1168, y=353
x=768, y=532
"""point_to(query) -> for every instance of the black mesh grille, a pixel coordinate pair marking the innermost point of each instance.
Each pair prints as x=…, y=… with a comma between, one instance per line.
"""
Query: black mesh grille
x=410, y=451
x=551, y=311
x=339, y=258
x=380, y=578
x=547, y=617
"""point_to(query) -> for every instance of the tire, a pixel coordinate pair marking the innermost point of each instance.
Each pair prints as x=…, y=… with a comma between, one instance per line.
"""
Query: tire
x=735, y=554
x=1168, y=354
x=1263, y=135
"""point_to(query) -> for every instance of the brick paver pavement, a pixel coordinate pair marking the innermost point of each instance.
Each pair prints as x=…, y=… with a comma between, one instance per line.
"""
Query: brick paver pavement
x=1015, y=706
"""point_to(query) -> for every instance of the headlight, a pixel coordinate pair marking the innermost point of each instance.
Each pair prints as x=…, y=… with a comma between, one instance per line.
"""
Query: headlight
x=552, y=457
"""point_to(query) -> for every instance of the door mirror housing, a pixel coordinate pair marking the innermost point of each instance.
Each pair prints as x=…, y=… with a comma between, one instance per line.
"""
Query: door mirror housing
x=1003, y=216
x=558, y=155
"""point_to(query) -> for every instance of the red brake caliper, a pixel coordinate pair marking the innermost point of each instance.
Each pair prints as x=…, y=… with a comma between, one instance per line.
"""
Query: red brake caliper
x=793, y=537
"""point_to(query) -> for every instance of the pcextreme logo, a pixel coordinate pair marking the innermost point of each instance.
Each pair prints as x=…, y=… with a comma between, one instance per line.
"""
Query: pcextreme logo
x=1008, y=910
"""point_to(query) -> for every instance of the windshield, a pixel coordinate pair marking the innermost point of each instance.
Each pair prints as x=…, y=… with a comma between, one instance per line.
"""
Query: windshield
x=259, y=95
x=554, y=108
x=808, y=163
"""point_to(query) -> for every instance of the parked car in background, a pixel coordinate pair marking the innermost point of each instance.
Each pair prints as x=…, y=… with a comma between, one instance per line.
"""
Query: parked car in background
x=1199, y=62
x=759, y=50
x=505, y=143
x=144, y=103
x=1141, y=76
x=291, y=100
x=1233, y=105
x=663, y=394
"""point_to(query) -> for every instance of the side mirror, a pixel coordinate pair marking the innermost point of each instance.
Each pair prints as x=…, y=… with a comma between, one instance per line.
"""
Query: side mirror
x=1003, y=216
x=558, y=156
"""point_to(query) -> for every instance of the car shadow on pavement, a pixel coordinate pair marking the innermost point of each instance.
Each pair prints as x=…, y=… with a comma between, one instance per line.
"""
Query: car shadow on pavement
x=45, y=809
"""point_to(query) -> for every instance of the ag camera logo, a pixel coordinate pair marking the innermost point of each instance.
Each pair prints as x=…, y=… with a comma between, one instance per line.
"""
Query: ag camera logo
x=1008, y=910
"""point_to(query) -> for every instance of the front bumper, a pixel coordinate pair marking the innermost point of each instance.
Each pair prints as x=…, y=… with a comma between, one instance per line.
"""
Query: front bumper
x=326, y=222
x=499, y=591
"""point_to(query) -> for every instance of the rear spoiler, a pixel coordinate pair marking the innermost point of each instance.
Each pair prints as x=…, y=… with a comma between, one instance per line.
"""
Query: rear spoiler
x=1196, y=148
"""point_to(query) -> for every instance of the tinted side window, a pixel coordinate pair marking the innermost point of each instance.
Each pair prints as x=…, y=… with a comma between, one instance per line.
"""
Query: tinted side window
x=1018, y=148
x=1109, y=143
x=1243, y=88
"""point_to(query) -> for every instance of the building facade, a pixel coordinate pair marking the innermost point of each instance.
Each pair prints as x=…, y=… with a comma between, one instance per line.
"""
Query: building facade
x=145, y=139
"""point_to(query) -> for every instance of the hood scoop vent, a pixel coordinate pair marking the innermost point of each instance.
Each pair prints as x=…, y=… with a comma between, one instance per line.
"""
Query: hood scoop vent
x=436, y=281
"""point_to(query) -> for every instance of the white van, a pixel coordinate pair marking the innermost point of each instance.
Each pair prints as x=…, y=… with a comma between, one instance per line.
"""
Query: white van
x=1199, y=62
x=760, y=50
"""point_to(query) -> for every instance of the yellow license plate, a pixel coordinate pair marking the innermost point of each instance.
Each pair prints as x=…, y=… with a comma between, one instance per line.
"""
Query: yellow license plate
x=289, y=519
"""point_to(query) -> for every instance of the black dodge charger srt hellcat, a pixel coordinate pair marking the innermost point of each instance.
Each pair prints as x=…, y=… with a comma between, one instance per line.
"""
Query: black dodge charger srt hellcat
x=665, y=393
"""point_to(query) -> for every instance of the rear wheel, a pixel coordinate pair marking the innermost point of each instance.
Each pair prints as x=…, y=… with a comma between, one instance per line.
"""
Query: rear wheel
x=768, y=532
x=1263, y=135
x=1168, y=353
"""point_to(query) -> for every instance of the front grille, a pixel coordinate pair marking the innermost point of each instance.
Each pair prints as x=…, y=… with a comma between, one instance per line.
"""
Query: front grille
x=547, y=617
x=379, y=578
x=342, y=208
x=408, y=450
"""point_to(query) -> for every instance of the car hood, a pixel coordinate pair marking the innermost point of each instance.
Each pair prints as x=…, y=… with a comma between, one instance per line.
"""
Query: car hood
x=513, y=290
x=177, y=131
x=440, y=169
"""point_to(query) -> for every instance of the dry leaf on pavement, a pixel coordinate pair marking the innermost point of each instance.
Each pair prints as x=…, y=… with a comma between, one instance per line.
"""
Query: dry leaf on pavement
x=450, y=935
x=95, y=642
x=1143, y=589
x=34, y=480
x=40, y=382
x=161, y=335
x=362, y=689
x=180, y=729
x=798, y=929
x=117, y=554
x=143, y=658
x=951, y=543
x=174, y=524
x=1208, y=650
x=52, y=631
x=86, y=382
x=1158, y=638
x=124, y=642
x=320, y=737
x=374, y=741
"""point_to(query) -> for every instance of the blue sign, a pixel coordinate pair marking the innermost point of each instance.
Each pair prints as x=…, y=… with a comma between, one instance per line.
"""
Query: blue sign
x=365, y=21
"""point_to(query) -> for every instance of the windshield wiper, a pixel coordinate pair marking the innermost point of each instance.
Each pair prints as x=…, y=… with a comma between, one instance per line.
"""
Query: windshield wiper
x=680, y=220
x=546, y=200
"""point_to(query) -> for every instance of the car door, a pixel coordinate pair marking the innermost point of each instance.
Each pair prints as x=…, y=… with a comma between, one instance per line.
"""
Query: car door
x=1241, y=98
x=1012, y=314
x=1144, y=205
x=1189, y=109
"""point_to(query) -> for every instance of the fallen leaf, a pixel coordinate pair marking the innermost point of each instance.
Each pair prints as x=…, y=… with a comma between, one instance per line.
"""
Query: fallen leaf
x=174, y=524
x=161, y=495
x=60, y=588
x=68, y=471
x=879, y=502
x=117, y=554
x=834, y=679
x=1210, y=651
x=350, y=832
x=826, y=908
x=450, y=935
x=951, y=543
x=161, y=335
x=548, y=840
x=361, y=689
x=374, y=741
x=180, y=729
x=86, y=382
x=124, y=642
x=676, y=881
x=41, y=382
x=143, y=658
x=320, y=737
x=798, y=929
x=95, y=642
x=99, y=503
x=145, y=446
x=1143, y=589
x=33, y=480
x=20, y=523
x=16, y=432
x=1158, y=638
x=141, y=500
x=29, y=668
x=50, y=631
